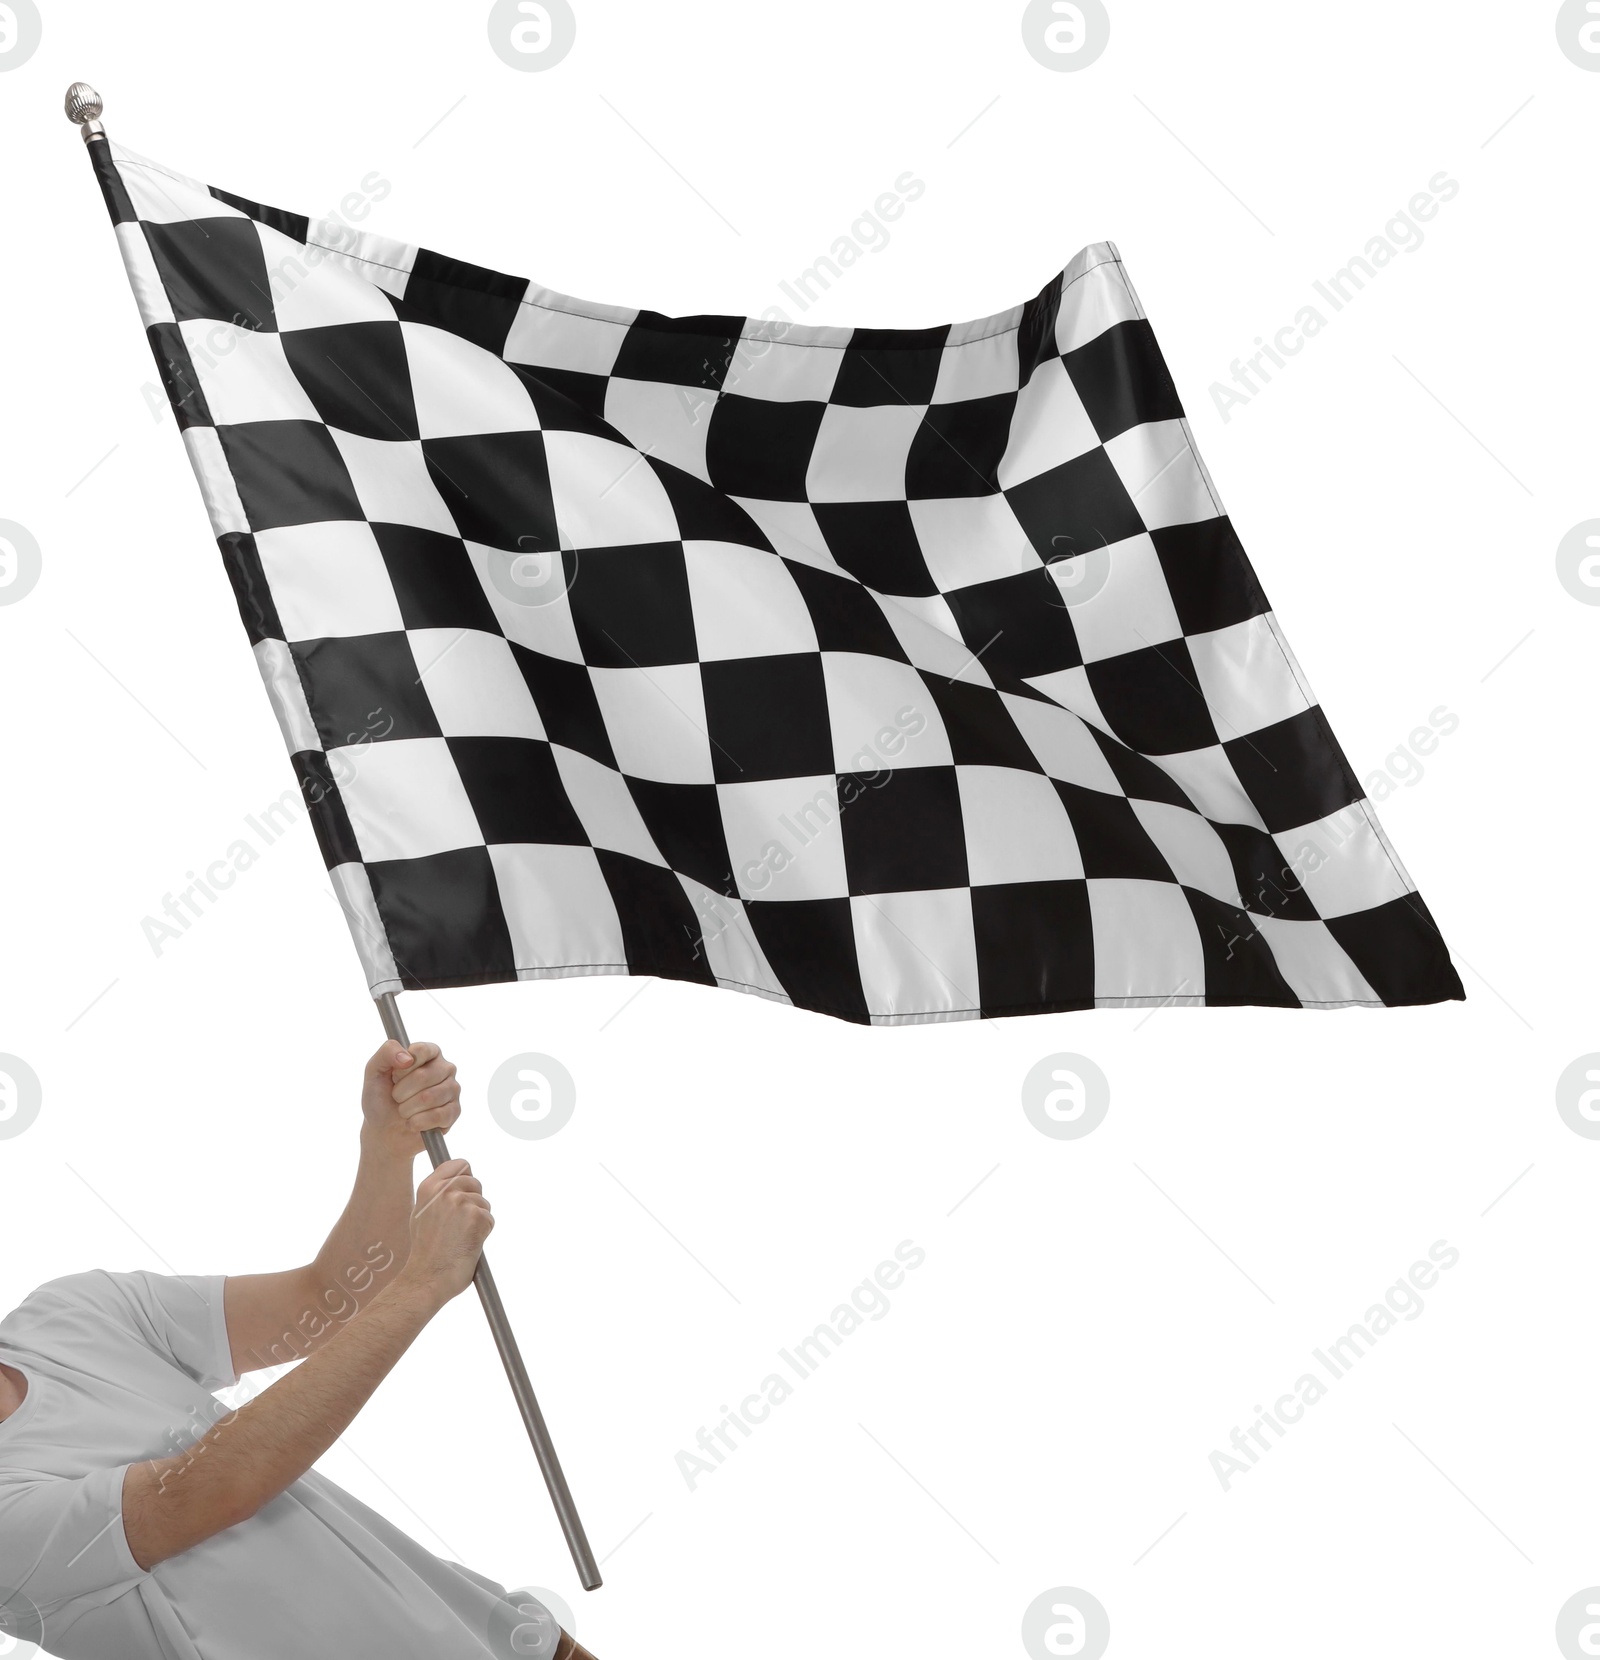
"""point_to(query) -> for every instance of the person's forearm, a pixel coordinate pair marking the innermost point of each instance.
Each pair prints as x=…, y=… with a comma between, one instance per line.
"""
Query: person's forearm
x=370, y=1242
x=252, y=1455
x=281, y=1317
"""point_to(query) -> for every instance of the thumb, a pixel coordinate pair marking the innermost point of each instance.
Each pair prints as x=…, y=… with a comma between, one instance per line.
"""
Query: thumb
x=393, y=1057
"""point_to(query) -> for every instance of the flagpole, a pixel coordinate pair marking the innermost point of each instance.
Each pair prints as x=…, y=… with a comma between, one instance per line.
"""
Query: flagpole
x=84, y=107
x=511, y=1357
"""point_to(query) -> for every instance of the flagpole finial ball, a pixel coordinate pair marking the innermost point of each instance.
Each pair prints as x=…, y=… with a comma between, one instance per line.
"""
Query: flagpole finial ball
x=84, y=107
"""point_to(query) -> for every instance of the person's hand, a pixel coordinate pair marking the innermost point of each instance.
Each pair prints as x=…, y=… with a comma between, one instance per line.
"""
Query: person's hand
x=406, y=1091
x=451, y=1221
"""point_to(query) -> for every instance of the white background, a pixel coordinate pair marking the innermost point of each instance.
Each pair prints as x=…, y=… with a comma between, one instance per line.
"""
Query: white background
x=1040, y=1405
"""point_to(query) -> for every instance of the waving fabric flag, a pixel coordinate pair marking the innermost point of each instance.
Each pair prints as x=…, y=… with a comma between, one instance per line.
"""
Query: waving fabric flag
x=898, y=674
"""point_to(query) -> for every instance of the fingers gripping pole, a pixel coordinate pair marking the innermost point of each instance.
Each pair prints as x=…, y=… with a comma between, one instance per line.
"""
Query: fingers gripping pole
x=395, y=1027
x=511, y=1358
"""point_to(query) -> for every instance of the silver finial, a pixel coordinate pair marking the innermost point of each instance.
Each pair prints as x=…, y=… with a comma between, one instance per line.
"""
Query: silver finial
x=84, y=107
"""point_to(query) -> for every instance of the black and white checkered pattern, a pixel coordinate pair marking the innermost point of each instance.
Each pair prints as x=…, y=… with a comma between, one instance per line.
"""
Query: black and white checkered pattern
x=899, y=674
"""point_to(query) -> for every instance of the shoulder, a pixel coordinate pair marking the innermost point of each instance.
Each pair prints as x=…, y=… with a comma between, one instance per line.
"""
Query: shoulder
x=80, y=1304
x=90, y=1289
x=56, y=1319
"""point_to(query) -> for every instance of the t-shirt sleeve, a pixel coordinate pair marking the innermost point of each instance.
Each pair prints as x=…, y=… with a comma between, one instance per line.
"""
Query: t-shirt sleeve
x=62, y=1538
x=181, y=1316
x=176, y=1316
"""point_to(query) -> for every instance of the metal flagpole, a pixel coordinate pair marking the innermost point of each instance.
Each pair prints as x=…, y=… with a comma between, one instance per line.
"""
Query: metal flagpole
x=511, y=1357
x=83, y=106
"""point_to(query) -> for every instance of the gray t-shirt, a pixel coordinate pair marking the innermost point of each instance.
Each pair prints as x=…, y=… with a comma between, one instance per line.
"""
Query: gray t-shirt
x=120, y=1369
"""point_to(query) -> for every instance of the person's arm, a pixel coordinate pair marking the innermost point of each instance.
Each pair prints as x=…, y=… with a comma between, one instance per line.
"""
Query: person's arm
x=276, y=1318
x=169, y=1505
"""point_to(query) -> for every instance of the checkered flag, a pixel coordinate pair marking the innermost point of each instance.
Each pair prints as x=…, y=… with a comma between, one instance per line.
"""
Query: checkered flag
x=898, y=674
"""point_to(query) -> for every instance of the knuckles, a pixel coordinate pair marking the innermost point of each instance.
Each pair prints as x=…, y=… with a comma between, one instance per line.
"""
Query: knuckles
x=436, y=1099
x=440, y=1090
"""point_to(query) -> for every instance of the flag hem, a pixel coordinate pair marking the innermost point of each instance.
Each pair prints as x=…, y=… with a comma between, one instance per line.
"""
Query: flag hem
x=918, y=1017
